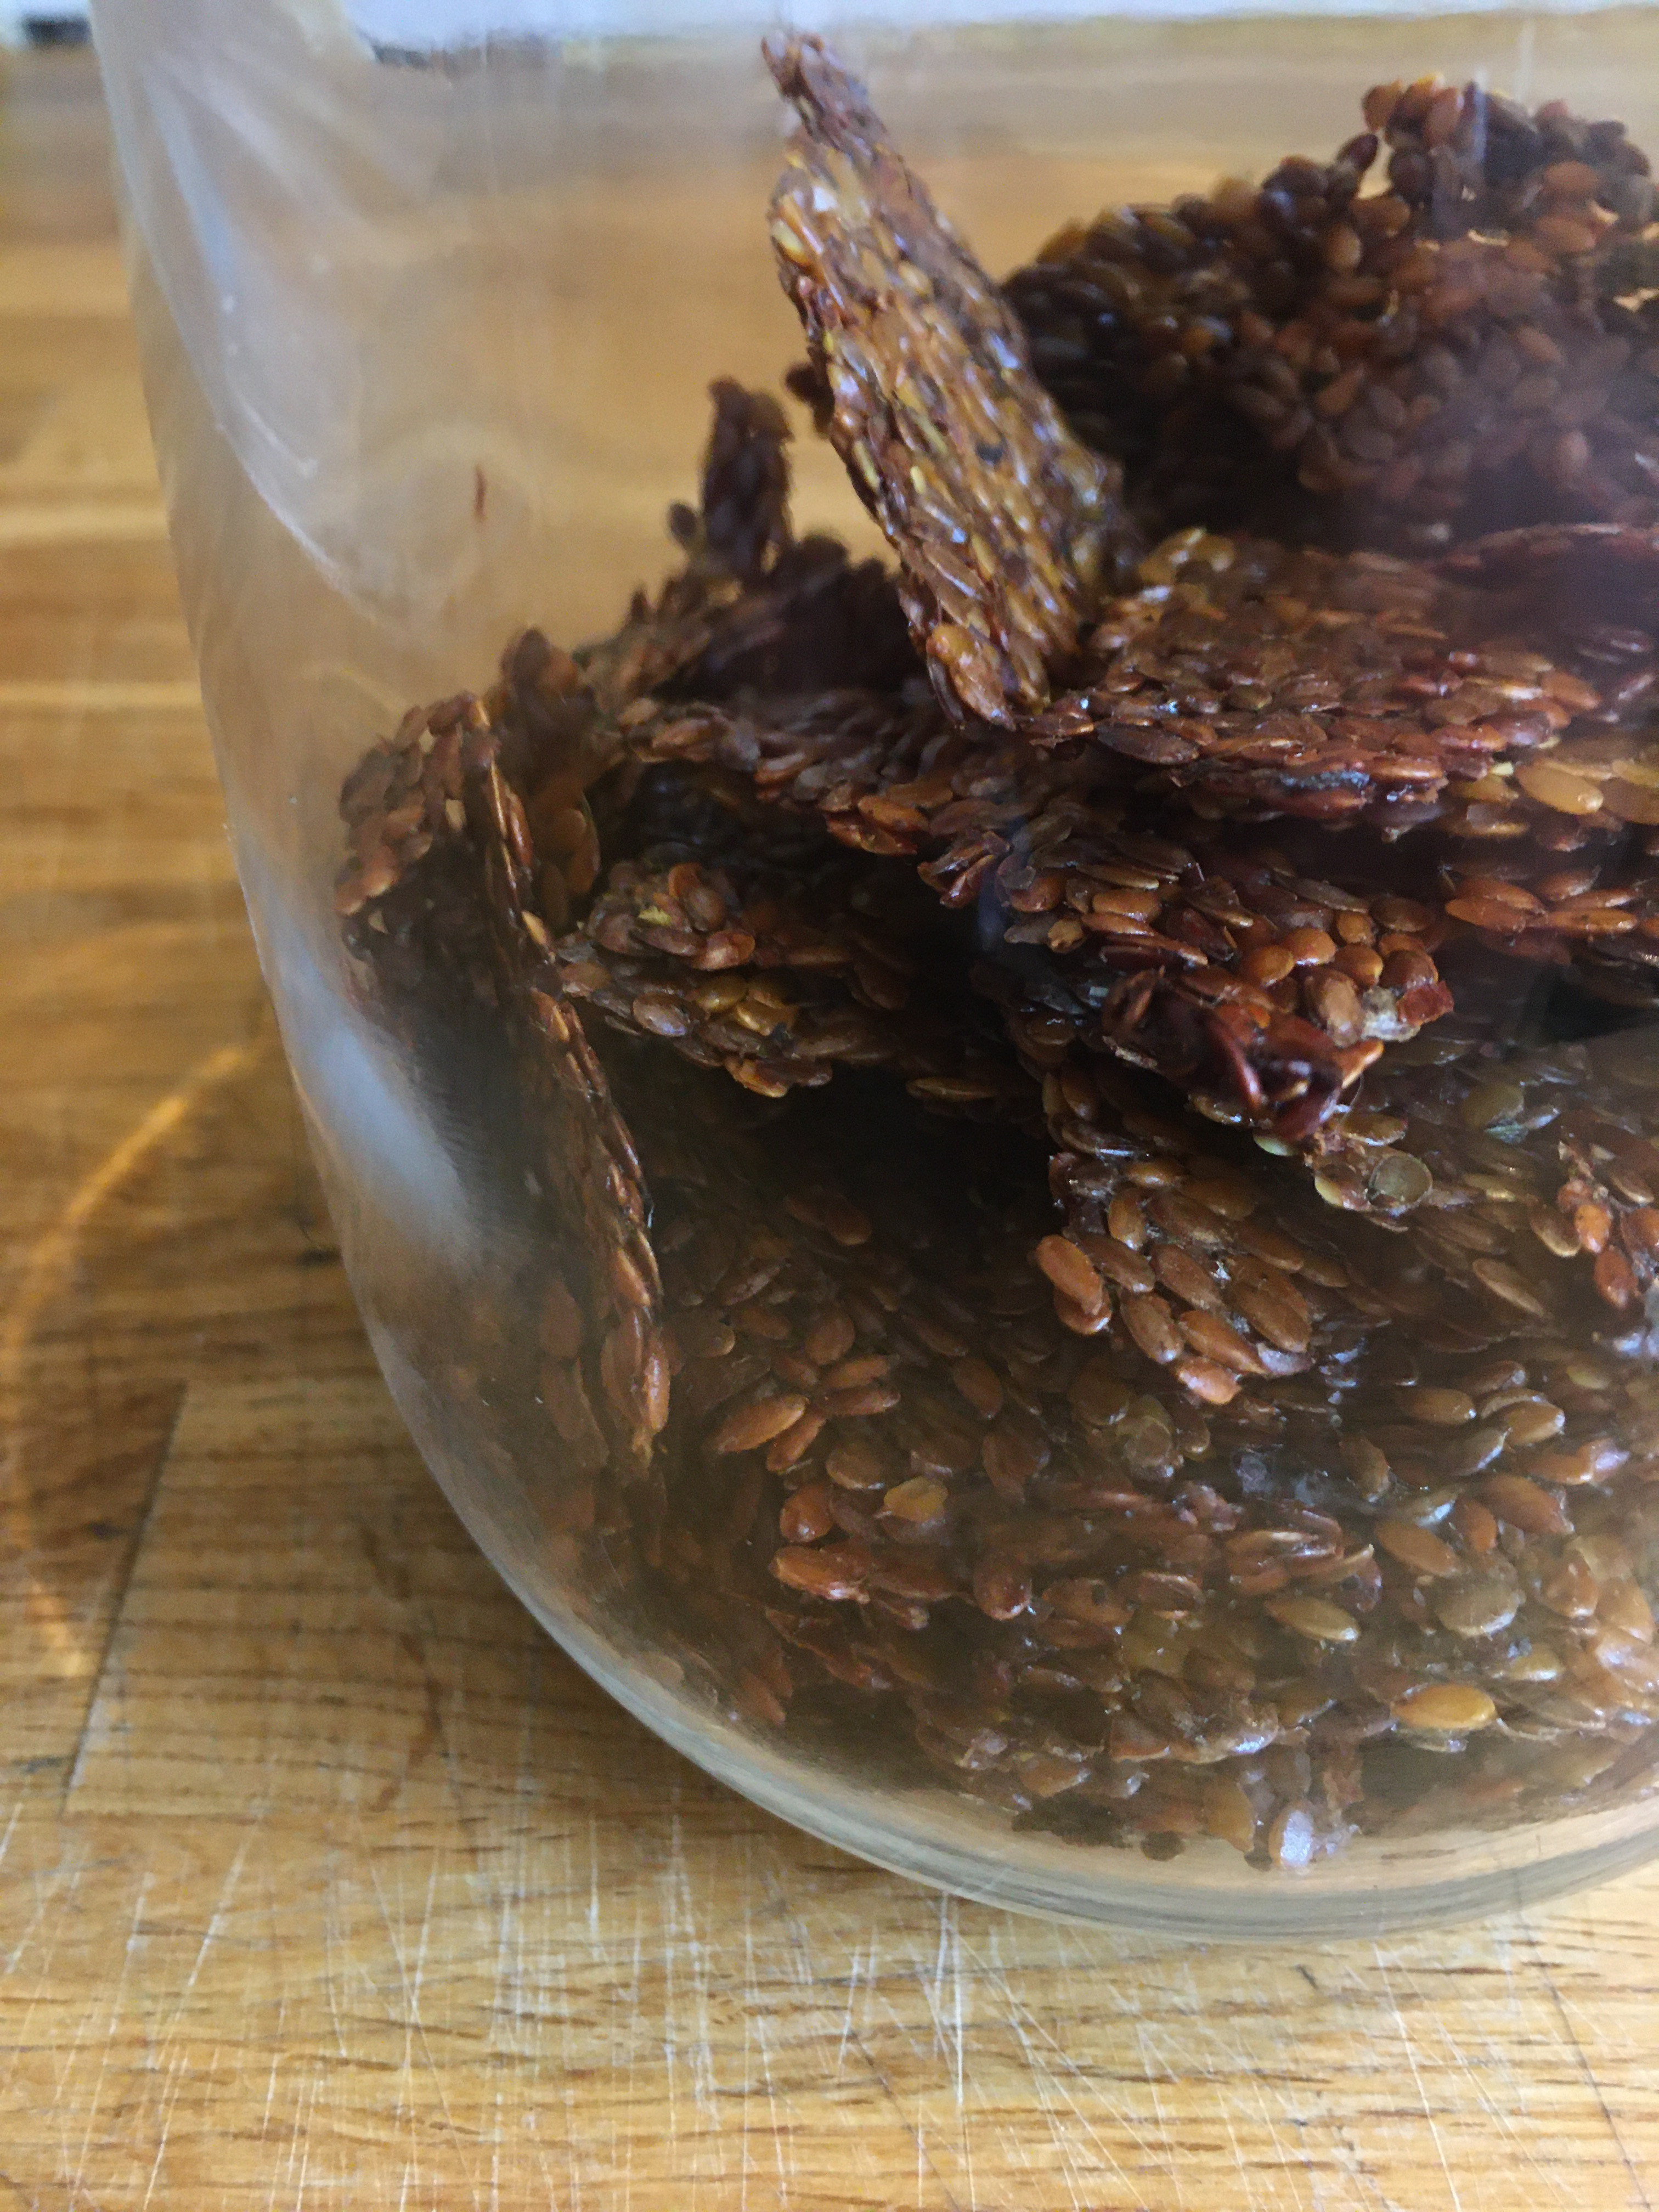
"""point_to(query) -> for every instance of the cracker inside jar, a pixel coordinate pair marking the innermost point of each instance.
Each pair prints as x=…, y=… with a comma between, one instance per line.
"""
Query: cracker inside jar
x=1101, y=1072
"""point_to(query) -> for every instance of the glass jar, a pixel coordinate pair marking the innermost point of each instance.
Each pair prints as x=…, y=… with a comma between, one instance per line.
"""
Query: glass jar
x=979, y=1025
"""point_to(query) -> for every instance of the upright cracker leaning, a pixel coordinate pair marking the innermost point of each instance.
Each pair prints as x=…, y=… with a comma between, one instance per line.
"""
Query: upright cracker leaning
x=1005, y=526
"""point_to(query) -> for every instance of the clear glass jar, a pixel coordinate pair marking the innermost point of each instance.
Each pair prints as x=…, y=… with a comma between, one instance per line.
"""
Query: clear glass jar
x=1017, y=1202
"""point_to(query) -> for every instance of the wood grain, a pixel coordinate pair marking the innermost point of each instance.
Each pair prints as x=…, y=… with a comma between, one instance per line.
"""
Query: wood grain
x=324, y=1879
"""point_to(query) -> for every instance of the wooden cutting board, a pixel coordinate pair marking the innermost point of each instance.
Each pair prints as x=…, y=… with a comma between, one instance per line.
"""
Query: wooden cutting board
x=324, y=1879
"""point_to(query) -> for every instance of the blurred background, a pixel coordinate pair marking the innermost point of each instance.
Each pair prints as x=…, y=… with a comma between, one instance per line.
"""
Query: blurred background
x=62, y=25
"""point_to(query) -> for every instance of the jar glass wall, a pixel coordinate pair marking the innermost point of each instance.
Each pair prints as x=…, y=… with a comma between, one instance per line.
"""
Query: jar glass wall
x=970, y=955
